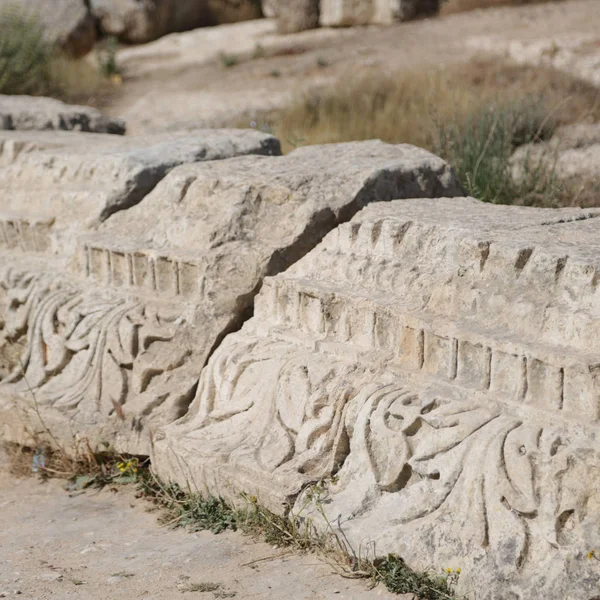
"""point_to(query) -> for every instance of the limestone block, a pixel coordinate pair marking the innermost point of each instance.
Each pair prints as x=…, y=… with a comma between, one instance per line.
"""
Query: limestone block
x=114, y=346
x=434, y=365
x=138, y=22
x=231, y=11
x=345, y=13
x=297, y=15
x=141, y=21
x=74, y=181
x=35, y=113
x=270, y=8
x=407, y=10
x=572, y=155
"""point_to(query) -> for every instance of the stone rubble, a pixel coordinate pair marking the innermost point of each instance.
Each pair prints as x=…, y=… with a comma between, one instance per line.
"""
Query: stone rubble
x=25, y=113
x=572, y=155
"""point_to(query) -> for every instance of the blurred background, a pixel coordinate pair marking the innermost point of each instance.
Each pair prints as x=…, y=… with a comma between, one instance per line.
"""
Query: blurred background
x=508, y=91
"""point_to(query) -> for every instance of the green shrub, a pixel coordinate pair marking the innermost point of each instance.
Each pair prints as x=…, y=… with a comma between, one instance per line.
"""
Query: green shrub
x=106, y=57
x=479, y=148
x=25, y=54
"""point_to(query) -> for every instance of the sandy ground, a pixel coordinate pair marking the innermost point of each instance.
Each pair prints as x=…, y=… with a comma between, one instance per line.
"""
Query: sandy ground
x=181, y=81
x=102, y=545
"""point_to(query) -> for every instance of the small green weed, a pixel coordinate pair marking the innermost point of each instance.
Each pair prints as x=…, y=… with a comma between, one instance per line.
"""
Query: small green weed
x=397, y=577
x=106, y=57
x=480, y=147
x=228, y=60
x=258, y=52
x=293, y=530
x=203, y=587
x=123, y=574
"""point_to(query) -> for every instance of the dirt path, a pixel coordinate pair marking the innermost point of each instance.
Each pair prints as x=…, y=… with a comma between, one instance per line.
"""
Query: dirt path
x=105, y=545
x=182, y=81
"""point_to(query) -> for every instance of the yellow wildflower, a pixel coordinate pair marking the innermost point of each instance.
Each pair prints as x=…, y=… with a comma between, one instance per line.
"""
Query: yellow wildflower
x=591, y=554
x=448, y=570
x=458, y=571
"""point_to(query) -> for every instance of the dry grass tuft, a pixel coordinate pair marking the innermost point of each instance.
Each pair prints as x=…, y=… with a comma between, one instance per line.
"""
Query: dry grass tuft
x=485, y=107
x=78, y=81
x=30, y=65
x=406, y=107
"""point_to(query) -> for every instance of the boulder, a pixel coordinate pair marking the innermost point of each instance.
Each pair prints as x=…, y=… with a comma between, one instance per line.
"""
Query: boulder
x=407, y=10
x=270, y=8
x=427, y=380
x=232, y=11
x=349, y=13
x=297, y=15
x=67, y=23
x=140, y=21
x=36, y=113
x=572, y=156
x=136, y=22
x=346, y=13
x=116, y=331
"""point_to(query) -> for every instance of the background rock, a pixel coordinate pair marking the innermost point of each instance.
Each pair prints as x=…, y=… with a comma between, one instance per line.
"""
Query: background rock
x=36, y=113
x=406, y=10
x=270, y=8
x=297, y=15
x=232, y=11
x=572, y=155
x=348, y=13
x=134, y=21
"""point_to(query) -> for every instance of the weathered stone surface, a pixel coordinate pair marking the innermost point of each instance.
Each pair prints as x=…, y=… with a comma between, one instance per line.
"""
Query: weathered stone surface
x=29, y=112
x=572, y=155
x=67, y=23
x=572, y=52
x=270, y=8
x=344, y=13
x=232, y=11
x=115, y=347
x=407, y=10
x=297, y=15
x=135, y=21
x=434, y=365
x=74, y=181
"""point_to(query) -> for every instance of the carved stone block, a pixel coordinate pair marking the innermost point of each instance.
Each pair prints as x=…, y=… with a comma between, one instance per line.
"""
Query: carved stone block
x=74, y=181
x=115, y=326
x=396, y=366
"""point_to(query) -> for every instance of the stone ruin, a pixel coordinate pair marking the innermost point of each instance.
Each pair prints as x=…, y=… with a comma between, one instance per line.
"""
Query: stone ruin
x=298, y=15
x=263, y=323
